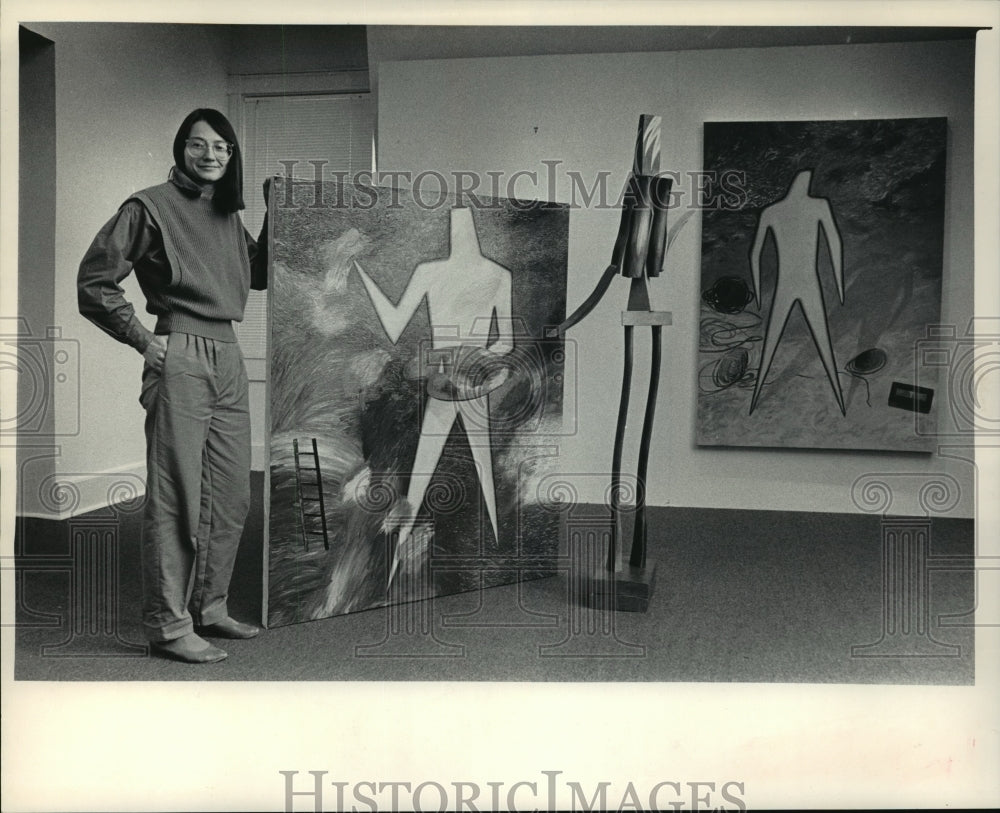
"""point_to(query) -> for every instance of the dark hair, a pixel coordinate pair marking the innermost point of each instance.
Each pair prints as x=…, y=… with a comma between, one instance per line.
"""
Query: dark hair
x=228, y=197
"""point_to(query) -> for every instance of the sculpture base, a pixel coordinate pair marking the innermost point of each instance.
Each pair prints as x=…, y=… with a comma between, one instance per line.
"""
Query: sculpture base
x=627, y=590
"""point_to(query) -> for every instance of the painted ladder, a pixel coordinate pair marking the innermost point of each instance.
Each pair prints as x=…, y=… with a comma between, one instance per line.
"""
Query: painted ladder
x=309, y=490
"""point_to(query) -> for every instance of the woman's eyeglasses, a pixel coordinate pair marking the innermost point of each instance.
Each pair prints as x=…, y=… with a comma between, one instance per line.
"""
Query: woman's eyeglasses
x=198, y=148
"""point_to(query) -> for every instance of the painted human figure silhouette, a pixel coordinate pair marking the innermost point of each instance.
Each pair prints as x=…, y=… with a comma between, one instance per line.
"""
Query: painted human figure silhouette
x=464, y=292
x=795, y=221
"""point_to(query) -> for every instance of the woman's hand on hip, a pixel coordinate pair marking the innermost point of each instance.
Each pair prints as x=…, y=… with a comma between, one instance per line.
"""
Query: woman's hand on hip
x=155, y=352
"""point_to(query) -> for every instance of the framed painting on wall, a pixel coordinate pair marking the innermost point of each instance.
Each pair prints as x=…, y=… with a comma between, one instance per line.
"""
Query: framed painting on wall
x=821, y=272
x=412, y=383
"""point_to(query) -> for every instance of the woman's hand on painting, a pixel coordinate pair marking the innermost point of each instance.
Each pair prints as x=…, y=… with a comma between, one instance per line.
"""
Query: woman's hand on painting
x=501, y=348
x=278, y=182
x=156, y=352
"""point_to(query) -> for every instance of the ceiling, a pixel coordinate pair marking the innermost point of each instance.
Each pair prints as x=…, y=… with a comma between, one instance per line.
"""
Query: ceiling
x=400, y=42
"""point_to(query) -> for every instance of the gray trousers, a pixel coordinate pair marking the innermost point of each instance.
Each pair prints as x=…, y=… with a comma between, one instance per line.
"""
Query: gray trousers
x=197, y=482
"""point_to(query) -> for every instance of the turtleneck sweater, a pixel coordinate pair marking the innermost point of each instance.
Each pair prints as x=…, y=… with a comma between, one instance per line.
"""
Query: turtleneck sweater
x=195, y=266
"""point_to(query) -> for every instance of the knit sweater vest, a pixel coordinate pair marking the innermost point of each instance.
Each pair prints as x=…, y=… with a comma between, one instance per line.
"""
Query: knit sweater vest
x=209, y=265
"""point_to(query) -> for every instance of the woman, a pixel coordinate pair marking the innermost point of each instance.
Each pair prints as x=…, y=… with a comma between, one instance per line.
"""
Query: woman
x=195, y=264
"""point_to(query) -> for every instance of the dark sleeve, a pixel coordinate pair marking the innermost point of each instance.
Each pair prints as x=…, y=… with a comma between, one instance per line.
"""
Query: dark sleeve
x=258, y=258
x=123, y=240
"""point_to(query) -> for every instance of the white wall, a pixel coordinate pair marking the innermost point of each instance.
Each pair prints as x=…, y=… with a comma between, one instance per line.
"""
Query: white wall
x=121, y=92
x=510, y=114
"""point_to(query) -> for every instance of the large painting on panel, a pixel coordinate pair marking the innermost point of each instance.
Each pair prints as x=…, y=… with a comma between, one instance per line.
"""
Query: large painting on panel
x=412, y=382
x=821, y=268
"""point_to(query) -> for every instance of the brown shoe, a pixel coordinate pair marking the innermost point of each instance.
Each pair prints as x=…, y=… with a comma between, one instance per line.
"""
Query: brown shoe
x=190, y=648
x=229, y=628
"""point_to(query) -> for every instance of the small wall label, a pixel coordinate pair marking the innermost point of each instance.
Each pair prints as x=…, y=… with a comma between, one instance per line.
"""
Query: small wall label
x=910, y=397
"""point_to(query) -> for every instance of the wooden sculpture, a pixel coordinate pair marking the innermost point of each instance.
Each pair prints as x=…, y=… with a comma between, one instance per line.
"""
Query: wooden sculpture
x=638, y=254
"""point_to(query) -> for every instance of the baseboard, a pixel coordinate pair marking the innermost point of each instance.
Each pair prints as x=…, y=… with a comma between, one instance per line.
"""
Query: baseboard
x=62, y=495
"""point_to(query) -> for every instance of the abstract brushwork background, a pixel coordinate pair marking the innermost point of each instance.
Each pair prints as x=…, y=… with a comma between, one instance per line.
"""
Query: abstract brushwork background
x=357, y=365
x=799, y=196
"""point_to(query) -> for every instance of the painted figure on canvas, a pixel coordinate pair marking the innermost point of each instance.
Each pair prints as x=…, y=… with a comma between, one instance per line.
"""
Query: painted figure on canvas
x=464, y=293
x=795, y=223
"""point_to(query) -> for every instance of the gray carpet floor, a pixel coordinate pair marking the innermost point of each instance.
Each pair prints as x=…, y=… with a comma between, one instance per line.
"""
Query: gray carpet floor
x=740, y=596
